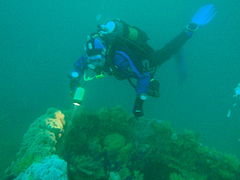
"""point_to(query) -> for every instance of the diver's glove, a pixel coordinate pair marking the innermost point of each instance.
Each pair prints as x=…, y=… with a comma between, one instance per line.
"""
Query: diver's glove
x=153, y=89
x=202, y=17
x=138, y=107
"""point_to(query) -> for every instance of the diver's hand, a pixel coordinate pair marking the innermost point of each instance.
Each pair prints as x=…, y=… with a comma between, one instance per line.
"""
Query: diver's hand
x=138, y=107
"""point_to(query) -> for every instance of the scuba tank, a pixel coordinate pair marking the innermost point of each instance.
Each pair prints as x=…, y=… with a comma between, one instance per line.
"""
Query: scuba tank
x=118, y=33
x=78, y=96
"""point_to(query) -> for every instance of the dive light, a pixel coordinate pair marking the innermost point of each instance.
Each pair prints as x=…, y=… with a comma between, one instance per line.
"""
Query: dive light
x=78, y=96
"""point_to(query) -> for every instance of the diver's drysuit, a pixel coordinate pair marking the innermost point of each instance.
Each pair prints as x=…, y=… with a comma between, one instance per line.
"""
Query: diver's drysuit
x=129, y=59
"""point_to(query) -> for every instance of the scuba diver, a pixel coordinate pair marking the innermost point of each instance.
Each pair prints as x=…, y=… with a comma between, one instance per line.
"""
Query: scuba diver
x=121, y=50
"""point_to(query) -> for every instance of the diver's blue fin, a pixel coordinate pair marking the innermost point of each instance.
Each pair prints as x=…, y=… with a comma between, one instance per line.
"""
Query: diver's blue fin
x=204, y=15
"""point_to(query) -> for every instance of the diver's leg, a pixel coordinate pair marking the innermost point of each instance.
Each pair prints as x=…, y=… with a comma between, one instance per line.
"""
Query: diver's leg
x=158, y=57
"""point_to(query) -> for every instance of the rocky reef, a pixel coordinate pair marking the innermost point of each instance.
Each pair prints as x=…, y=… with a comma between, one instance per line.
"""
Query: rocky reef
x=51, y=167
x=113, y=145
x=39, y=142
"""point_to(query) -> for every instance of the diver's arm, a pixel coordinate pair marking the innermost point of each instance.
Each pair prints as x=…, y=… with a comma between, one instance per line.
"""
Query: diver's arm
x=77, y=73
